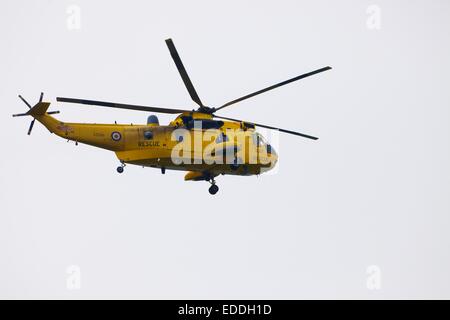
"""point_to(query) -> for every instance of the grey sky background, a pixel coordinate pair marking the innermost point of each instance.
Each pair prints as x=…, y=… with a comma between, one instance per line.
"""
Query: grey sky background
x=373, y=190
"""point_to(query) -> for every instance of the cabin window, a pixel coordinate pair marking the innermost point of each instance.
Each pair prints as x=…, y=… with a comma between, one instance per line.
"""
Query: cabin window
x=204, y=124
x=178, y=137
x=148, y=135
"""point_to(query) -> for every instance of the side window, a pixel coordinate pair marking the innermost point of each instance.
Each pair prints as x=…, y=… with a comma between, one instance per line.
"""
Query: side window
x=148, y=135
x=222, y=137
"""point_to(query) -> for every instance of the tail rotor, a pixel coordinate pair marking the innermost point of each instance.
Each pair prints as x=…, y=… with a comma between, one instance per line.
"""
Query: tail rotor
x=29, y=113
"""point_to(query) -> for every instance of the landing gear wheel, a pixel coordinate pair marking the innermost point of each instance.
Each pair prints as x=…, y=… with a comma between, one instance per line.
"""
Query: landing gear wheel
x=120, y=169
x=213, y=189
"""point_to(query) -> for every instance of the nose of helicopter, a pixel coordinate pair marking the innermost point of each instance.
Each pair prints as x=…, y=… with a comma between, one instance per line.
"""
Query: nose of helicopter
x=273, y=158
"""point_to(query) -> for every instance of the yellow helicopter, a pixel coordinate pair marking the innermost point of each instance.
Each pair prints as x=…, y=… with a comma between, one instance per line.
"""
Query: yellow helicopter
x=198, y=141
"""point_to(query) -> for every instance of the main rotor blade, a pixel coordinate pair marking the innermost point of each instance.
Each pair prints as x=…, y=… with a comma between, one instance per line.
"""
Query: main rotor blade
x=41, y=97
x=25, y=101
x=121, y=105
x=270, y=127
x=274, y=86
x=187, y=82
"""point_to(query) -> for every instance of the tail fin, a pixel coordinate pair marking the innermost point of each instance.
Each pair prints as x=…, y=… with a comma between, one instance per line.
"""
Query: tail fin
x=39, y=109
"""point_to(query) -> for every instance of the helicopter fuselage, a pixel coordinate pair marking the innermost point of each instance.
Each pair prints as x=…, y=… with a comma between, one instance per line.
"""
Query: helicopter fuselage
x=225, y=148
x=195, y=141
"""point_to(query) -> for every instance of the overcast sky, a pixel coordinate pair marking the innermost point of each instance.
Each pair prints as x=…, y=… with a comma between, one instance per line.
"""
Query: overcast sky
x=361, y=213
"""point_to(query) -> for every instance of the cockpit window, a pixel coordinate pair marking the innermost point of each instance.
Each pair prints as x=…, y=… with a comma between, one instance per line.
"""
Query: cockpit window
x=258, y=140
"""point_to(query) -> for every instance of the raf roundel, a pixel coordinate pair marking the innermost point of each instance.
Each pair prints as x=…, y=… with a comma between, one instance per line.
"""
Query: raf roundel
x=116, y=136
